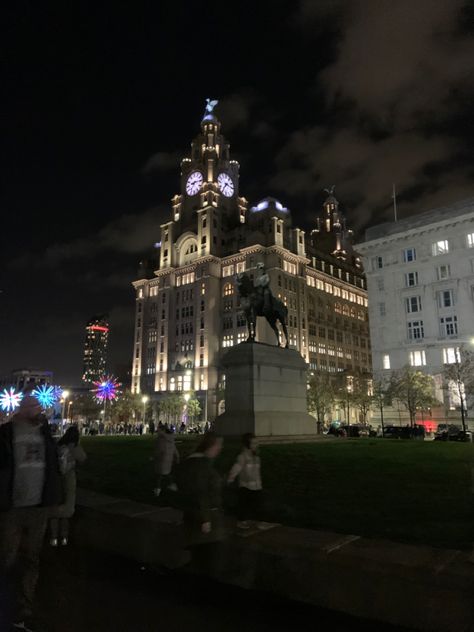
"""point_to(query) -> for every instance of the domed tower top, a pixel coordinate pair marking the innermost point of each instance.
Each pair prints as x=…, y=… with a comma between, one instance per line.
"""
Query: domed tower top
x=209, y=117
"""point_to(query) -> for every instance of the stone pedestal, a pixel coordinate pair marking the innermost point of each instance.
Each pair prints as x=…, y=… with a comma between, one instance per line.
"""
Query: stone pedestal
x=265, y=392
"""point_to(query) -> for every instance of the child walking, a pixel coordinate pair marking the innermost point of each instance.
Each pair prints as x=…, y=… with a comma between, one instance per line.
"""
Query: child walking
x=247, y=469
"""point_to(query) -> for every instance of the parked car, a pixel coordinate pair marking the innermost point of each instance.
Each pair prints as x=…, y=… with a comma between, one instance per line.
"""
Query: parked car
x=452, y=432
x=447, y=432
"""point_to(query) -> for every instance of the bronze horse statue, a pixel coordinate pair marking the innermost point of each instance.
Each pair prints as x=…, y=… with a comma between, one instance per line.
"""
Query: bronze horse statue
x=252, y=304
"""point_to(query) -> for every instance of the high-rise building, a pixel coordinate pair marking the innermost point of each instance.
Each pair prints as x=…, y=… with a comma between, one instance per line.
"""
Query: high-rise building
x=187, y=306
x=95, y=348
x=420, y=276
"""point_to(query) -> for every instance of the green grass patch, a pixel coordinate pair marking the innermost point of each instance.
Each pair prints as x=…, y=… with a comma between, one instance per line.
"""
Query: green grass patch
x=411, y=491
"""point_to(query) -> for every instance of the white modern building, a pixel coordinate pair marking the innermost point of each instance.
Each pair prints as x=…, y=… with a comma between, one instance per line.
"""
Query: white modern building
x=420, y=282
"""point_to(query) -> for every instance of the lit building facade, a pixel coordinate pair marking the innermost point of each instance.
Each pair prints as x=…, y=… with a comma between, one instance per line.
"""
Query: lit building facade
x=95, y=348
x=420, y=276
x=23, y=378
x=187, y=306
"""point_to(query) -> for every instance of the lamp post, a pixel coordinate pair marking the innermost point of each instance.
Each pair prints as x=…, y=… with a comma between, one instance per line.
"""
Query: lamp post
x=65, y=395
x=144, y=402
x=187, y=397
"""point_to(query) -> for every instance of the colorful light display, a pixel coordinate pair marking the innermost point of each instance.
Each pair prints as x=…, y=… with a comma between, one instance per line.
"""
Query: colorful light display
x=46, y=395
x=107, y=388
x=10, y=399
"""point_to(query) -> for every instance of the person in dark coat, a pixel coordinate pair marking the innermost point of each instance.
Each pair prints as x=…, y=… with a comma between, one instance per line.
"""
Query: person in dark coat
x=200, y=489
x=30, y=483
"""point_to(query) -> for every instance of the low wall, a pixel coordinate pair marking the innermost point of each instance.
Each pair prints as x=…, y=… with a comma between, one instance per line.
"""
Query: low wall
x=420, y=587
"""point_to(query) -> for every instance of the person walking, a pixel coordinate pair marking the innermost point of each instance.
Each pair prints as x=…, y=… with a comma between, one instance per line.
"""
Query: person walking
x=247, y=469
x=30, y=483
x=70, y=453
x=166, y=456
x=200, y=491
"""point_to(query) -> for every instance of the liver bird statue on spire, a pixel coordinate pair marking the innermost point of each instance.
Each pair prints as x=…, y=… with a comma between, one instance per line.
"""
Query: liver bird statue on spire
x=210, y=105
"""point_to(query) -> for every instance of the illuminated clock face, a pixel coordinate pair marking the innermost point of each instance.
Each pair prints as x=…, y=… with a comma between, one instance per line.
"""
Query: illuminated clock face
x=225, y=184
x=194, y=183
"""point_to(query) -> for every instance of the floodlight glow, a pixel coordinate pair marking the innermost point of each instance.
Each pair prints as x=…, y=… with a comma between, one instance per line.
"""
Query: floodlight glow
x=10, y=399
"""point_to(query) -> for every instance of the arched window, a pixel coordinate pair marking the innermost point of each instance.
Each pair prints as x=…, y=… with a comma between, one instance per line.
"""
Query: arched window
x=228, y=289
x=189, y=251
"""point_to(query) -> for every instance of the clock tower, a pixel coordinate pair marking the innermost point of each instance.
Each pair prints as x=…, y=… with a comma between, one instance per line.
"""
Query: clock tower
x=209, y=204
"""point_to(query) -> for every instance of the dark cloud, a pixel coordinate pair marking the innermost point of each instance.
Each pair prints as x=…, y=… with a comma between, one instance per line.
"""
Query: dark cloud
x=401, y=71
x=161, y=161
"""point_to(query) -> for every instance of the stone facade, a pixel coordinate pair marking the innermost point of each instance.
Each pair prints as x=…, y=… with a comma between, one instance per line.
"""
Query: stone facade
x=420, y=276
x=187, y=309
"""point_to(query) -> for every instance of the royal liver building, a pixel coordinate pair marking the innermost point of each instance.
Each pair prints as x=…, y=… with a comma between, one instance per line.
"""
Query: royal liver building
x=187, y=309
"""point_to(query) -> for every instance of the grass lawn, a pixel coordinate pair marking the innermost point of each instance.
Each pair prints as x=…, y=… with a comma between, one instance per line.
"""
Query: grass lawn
x=411, y=491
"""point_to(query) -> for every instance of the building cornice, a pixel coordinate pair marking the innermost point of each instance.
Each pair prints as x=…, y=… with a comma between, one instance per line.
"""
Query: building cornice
x=139, y=283
x=413, y=232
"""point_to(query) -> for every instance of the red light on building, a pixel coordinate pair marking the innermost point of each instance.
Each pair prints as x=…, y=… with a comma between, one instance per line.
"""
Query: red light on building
x=98, y=328
x=428, y=424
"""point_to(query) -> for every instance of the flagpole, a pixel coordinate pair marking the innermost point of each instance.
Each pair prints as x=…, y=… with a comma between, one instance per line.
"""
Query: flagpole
x=394, y=197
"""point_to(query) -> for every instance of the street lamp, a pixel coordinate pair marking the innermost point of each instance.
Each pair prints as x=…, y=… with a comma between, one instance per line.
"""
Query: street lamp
x=187, y=397
x=144, y=402
x=65, y=395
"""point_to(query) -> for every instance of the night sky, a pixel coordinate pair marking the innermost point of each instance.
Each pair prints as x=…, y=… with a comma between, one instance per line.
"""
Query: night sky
x=100, y=101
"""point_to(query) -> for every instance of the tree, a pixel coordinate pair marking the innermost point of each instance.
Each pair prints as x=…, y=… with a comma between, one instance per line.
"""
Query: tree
x=460, y=375
x=86, y=405
x=382, y=396
x=125, y=406
x=321, y=395
x=171, y=407
x=362, y=397
x=414, y=389
x=193, y=408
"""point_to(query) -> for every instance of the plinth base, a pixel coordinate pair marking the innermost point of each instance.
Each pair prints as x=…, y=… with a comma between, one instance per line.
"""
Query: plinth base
x=265, y=392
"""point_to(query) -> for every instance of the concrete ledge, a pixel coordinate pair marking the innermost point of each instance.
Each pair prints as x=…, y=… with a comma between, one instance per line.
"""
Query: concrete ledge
x=420, y=587
x=144, y=533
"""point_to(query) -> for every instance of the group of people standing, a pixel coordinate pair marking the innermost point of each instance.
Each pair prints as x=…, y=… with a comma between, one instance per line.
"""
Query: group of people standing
x=37, y=487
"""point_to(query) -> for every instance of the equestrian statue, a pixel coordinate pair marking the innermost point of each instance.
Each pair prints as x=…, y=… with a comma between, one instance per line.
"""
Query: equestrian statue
x=256, y=299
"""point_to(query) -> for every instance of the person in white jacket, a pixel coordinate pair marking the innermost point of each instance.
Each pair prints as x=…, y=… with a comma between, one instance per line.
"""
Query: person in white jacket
x=247, y=469
x=166, y=455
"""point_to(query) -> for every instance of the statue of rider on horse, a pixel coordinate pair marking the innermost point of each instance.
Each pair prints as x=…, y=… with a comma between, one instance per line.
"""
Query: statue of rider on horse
x=256, y=299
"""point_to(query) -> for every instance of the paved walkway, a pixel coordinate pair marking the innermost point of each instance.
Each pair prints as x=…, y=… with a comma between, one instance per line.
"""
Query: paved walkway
x=81, y=591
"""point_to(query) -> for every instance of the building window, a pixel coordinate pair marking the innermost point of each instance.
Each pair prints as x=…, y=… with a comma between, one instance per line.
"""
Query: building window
x=289, y=267
x=380, y=284
x=445, y=298
x=415, y=330
x=228, y=289
x=451, y=355
x=413, y=304
x=411, y=279
x=440, y=247
x=409, y=254
x=418, y=358
x=444, y=272
x=377, y=263
x=228, y=341
x=470, y=240
x=386, y=361
x=449, y=325
x=240, y=267
x=228, y=271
